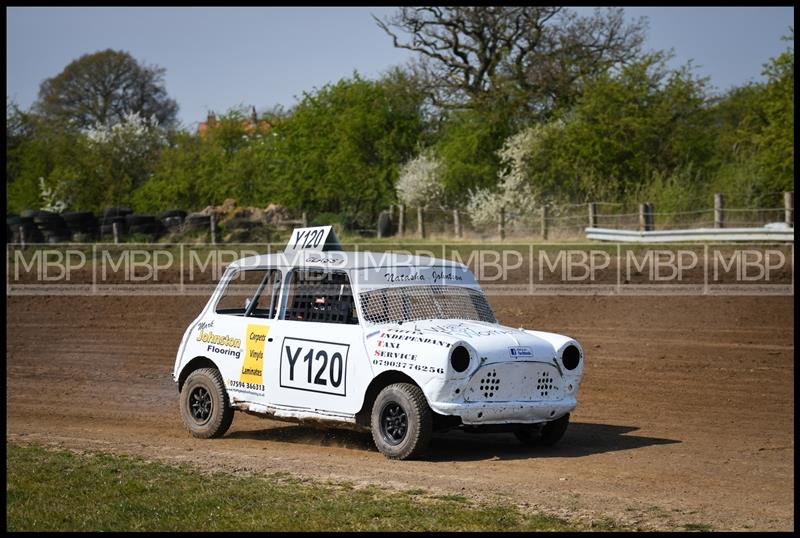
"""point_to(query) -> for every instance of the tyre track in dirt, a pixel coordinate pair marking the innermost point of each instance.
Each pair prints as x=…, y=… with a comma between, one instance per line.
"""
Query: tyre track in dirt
x=686, y=413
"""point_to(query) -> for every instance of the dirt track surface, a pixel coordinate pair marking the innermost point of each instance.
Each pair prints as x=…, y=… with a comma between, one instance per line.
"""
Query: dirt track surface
x=685, y=415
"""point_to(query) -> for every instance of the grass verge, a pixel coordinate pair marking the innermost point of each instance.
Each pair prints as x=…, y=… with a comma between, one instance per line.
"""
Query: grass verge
x=60, y=490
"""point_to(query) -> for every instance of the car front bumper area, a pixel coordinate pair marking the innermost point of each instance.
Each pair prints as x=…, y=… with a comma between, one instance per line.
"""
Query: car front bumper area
x=522, y=392
x=476, y=413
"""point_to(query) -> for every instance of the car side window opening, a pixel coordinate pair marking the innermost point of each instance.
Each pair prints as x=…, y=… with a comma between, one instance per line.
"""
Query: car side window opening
x=251, y=293
x=321, y=296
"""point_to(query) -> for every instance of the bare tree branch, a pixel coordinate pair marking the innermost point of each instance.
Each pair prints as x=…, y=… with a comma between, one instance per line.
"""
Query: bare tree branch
x=542, y=52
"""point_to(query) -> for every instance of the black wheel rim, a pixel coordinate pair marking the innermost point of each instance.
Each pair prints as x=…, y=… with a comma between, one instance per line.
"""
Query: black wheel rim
x=200, y=404
x=394, y=423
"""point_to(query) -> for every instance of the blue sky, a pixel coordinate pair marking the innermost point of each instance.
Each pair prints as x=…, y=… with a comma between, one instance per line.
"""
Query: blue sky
x=217, y=58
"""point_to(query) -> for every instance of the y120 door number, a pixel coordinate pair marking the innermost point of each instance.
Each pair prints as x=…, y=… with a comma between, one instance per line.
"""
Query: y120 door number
x=314, y=366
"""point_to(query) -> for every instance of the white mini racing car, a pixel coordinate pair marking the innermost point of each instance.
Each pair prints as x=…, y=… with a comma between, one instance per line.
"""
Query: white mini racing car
x=399, y=345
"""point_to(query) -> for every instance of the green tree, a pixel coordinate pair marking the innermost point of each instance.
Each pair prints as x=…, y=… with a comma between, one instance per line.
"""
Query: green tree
x=755, y=129
x=88, y=170
x=194, y=171
x=102, y=88
x=644, y=120
x=341, y=148
x=177, y=180
x=776, y=140
x=113, y=162
x=19, y=130
x=467, y=147
x=738, y=117
x=36, y=153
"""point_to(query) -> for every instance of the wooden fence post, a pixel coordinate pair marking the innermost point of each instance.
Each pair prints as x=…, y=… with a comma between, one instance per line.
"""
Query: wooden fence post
x=642, y=217
x=213, y=221
x=115, y=231
x=719, y=211
x=456, y=223
x=788, y=206
x=401, y=222
x=420, y=223
x=501, y=225
x=651, y=219
x=544, y=223
x=592, y=215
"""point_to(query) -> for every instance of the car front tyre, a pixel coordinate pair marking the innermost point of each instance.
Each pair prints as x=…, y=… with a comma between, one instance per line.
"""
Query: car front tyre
x=205, y=408
x=401, y=421
x=547, y=435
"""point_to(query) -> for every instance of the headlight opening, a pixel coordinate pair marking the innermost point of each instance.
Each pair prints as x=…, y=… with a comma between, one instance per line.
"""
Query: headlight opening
x=571, y=357
x=459, y=359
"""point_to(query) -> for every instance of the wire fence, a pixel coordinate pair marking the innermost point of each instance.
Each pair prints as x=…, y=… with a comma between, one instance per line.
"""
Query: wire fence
x=549, y=222
x=569, y=221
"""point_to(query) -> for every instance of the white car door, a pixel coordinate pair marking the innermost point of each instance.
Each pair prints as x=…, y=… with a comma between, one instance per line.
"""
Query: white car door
x=241, y=336
x=323, y=365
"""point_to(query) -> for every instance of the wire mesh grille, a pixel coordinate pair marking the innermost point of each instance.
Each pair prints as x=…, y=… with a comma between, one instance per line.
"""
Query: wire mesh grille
x=411, y=303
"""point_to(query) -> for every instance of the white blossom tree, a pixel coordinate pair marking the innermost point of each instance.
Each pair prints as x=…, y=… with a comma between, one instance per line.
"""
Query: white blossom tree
x=130, y=139
x=516, y=191
x=122, y=155
x=420, y=182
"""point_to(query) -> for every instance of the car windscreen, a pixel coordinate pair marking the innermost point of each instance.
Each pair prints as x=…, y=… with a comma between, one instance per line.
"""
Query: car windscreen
x=418, y=302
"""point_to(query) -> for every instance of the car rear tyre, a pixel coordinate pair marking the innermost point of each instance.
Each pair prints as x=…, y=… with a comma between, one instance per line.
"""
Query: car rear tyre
x=546, y=435
x=205, y=408
x=402, y=422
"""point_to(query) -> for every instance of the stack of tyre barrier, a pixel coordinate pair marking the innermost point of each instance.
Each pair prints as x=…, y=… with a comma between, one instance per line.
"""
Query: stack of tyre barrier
x=173, y=220
x=111, y=216
x=19, y=229
x=144, y=225
x=83, y=226
x=51, y=225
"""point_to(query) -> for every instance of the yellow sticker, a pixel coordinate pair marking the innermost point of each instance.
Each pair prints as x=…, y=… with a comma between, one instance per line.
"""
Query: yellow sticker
x=253, y=366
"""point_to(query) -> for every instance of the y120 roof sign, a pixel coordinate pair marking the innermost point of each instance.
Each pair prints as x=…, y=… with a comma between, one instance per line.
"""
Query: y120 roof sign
x=314, y=238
